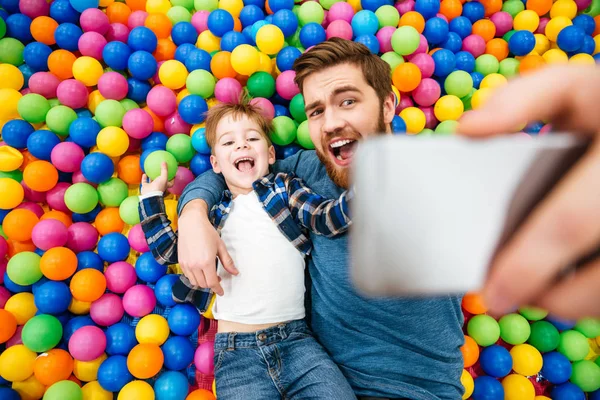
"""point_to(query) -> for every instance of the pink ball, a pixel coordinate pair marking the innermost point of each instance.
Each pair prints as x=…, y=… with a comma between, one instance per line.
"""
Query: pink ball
x=4, y=294
x=423, y=47
x=136, y=238
x=228, y=90
x=3, y=264
x=25, y=91
x=113, y=85
x=139, y=301
x=44, y=83
x=339, y=28
x=340, y=11
x=405, y=102
x=136, y=18
x=182, y=178
x=200, y=20
x=91, y=44
x=162, y=101
x=325, y=22
x=3, y=248
x=384, y=36
x=107, y=310
x=82, y=237
x=546, y=129
x=67, y=156
x=427, y=93
x=138, y=123
x=72, y=93
x=425, y=63
x=503, y=22
x=117, y=32
x=16, y=337
x=285, y=85
x=94, y=20
x=431, y=120
x=87, y=343
x=49, y=233
x=120, y=276
x=33, y=195
x=56, y=197
x=474, y=44
x=79, y=178
x=204, y=357
x=33, y=207
x=442, y=16
x=34, y=8
x=405, y=6
x=582, y=4
x=175, y=124
x=542, y=26
x=265, y=106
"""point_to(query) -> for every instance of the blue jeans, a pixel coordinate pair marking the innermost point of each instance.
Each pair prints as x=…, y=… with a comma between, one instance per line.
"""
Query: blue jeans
x=281, y=362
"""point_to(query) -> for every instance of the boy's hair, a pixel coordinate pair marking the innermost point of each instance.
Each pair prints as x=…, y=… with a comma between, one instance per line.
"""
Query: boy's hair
x=236, y=110
x=336, y=51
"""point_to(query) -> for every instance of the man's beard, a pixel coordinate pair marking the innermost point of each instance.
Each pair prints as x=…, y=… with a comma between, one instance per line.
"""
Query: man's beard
x=341, y=176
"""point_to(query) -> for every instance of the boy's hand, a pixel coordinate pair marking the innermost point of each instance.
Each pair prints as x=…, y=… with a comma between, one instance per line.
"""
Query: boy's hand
x=160, y=184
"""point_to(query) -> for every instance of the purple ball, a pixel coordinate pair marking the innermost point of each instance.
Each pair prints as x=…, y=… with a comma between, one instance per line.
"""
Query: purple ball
x=340, y=28
x=113, y=85
x=67, y=156
x=107, y=310
x=138, y=123
x=340, y=11
x=4, y=295
x=55, y=197
x=72, y=93
x=139, y=301
x=87, y=343
x=94, y=20
x=427, y=93
x=91, y=44
x=82, y=237
x=503, y=22
x=474, y=44
x=49, y=233
x=384, y=36
x=44, y=84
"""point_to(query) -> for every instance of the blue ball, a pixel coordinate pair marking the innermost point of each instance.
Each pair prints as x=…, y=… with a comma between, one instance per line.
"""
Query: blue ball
x=199, y=142
x=184, y=32
x=255, y=27
x=192, y=109
x=82, y=5
x=198, y=59
x=487, y=388
x=120, y=339
x=312, y=34
x=183, y=319
x=231, y=40
x=436, y=30
x=251, y=14
x=13, y=287
x=286, y=57
x=11, y=6
x=258, y=3
x=52, y=298
x=364, y=22
x=567, y=391
x=570, y=38
x=496, y=361
x=113, y=247
x=75, y=323
x=183, y=52
x=427, y=8
x=461, y=26
x=473, y=10
x=373, y=5
x=113, y=373
x=148, y=269
x=43, y=279
x=477, y=78
x=156, y=140
x=370, y=41
x=247, y=32
x=521, y=43
x=3, y=215
x=17, y=26
x=586, y=23
x=143, y=157
x=290, y=150
x=171, y=385
x=560, y=324
x=83, y=113
x=163, y=290
x=16, y=132
x=281, y=111
x=27, y=71
x=89, y=259
x=287, y=21
x=533, y=127
x=137, y=89
x=556, y=368
x=594, y=395
x=200, y=163
x=589, y=45
x=62, y=11
x=9, y=394
x=83, y=131
x=445, y=62
x=398, y=125
x=36, y=56
x=87, y=217
x=116, y=54
x=67, y=36
x=178, y=352
x=97, y=167
x=142, y=65
x=142, y=39
x=276, y=5
x=220, y=22
x=465, y=61
x=453, y=42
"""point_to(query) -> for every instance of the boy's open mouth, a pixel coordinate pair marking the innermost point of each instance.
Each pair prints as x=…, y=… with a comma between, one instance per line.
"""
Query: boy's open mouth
x=343, y=149
x=244, y=164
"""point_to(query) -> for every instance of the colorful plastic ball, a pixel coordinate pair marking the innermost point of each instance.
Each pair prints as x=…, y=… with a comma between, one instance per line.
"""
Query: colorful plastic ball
x=20, y=305
x=42, y=333
x=573, y=345
x=152, y=329
x=16, y=363
x=87, y=343
x=64, y=390
x=155, y=159
x=113, y=373
x=474, y=44
x=148, y=269
x=107, y=310
x=570, y=38
x=58, y=263
x=24, y=268
x=139, y=301
x=517, y=387
x=32, y=108
x=544, y=336
x=36, y=55
x=44, y=83
x=203, y=358
x=13, y=193
x=97, y=167
x=487, y=388
x=116, y=54
x=40, y=143
x=72, y=93
x=514, y=329
x=53, y=366
x=183, y=319
x=82, y=237
x=527, y=360
x=269, y=39
x=67, y=157
x=586, y=375
x=220, y=22
x=142, y=65
x=136, y=390
x=496, y=361
x=173, y=74
x=52, y=298
x=113, y=247
x=171, y=385
x=88, y=285
x=142, y=38
x=162, y=101
x=120, y=339
x=8, y=325
x=112, y=192
x=81, y=198
x=312, y=34
x=144, y=361
x=49, y=233
x=192, y=109
x=484, y=330
x=112, y=141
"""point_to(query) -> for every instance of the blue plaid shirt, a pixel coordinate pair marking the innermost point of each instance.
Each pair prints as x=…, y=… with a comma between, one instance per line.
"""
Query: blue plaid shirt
x=292, y=206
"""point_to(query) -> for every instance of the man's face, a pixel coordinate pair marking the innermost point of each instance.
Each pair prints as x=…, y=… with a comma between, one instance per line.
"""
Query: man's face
x=342, y=109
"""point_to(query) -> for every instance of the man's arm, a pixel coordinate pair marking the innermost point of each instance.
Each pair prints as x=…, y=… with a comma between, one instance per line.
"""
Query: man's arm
x=305, y=164
x=161, y=238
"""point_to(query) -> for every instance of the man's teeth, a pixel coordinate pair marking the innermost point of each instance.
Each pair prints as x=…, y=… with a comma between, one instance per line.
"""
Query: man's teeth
x=339, y=158
x=340, y=143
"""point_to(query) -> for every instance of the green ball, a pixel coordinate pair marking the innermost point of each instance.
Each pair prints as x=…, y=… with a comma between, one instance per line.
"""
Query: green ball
x=24, y=268
x=459, y=83
x=484, y=330
x=2, y=233
x=544, y=336
x=2, y=28
x=11, y=51
x=447, y=127
x=295, y=39
x=16, y=175
x=206, y=5
x=42, y=333
x=405, y=40
x=81, y=198
x=586, y=375
x=326, y=4
x=187, y=4
x=179, y=14
x=573, y=345
x=261, y=84
x=533, y=313
x=506, y=37
x=64, y=390
x=467, y=100
x=387, y=15
x=201, y=82
x=509, y=67
x=112, y=192
x=303, y=136
x=128, y=210
x=393, y=59
x=180, y=145
x=33, y=108
x=513, y=7
x=284, y=131
x=110, y=113
x=53, y=102
x=311, y=11
x=590, y=327
x=129, y=104
x=59, y=119
x=155, y=159
x=425, y=132
x=297, y=108
x=514, y=329
x=486, y=64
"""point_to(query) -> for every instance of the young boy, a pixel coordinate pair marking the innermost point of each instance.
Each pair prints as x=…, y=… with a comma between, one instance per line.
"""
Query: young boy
x=264, y=349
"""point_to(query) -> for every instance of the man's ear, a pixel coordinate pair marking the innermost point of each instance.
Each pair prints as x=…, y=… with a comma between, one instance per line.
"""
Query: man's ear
x=215, y=164
x=389, y=108
x=271, y=155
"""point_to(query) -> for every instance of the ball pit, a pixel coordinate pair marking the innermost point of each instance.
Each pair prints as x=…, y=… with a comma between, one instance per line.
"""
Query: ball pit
x=95, y=92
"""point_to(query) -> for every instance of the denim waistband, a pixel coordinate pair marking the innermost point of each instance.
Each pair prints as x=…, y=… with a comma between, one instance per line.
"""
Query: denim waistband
x=265, y=337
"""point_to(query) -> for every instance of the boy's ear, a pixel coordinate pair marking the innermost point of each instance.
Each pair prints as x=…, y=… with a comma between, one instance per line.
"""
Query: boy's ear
x=215, y=164
x=271, y=155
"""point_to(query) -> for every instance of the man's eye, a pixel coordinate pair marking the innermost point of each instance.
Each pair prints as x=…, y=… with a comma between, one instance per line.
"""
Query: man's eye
x=348, y=102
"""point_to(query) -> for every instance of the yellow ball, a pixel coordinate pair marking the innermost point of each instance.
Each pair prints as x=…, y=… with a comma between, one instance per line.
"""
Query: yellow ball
x=526, y=20
x=78, y=307
x=208, y=42
x=29, y=389
x=9, y=98
x=93, y=391
x=234, y=7
x=264, y=63
x=94, y=99
x=158, y=6
x=527, y=360
x=136, y=390
x=480, y=97
x=597, y=48
x=356, y=5
x=182, y=93
x=16, y=363
x=556, y=56
x=493, y=81
x=564, y=8
x=87, y=70
x=555, y=25
x=467, y=381
x=448, y=107
x=208, y=313
x=269, y=39
x=542, y=44
x=582, y=59
x=517, y=387
x=542, y=398
x=152, y=329
x=214, y=387
x=112, y=141
x=11, y=77
x=414, y=118
x=21, y=305
x=245, y=59
x=173, y=74
x=10, y=158
x=171, y=209
x=87, y=371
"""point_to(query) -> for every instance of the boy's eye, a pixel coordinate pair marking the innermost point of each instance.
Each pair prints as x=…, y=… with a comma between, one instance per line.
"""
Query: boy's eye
x=228, y=143
x=315, y=113
x=253, y=139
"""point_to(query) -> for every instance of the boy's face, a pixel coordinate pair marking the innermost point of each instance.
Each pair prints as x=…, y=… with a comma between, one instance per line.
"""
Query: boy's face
x=241, y=153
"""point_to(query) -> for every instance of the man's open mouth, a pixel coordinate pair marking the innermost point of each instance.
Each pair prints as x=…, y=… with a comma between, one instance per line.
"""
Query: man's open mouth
x=343, y=150
x=244, y=164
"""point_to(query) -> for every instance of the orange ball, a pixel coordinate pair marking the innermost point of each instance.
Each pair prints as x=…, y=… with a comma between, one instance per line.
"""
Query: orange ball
x=53, y=366
x=498, y=48
x=165, y=50
x=28, y=158
x=473, y=303
x=8, y=325
x=88, y=285
x=470, y=351
x=60, y=63
x=109, y=220
x=136, y=5
x=406, y=77
x=145, y=360
x=597, y=30
x=237, y=24
x=15, y=247
x=59, y=216
x=530, y=63
x=73, y=378
x=58, y=263
x=40, y=176
x=19, y=223
x=484, y=28
x=118, y=12
x=541, y=7
x=159, y=125
x=451, y=9
x=221, y=65
x=200, y=394
x=267, y=8
x=491, y=6
x=42, y=29
x=414, y=19
x=160, y=24
x=129, y=170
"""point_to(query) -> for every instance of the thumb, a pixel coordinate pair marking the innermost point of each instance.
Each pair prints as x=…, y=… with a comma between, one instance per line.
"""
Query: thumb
x=164, y=171
x=225, y=258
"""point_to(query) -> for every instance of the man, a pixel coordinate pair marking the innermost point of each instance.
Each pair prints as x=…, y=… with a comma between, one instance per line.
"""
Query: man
x=386, y=348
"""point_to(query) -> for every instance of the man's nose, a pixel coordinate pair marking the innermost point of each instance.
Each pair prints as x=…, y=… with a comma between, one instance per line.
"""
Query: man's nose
x=332, y=122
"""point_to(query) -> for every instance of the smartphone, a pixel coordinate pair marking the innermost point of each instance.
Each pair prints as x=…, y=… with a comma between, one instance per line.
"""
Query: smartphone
x=429, y=214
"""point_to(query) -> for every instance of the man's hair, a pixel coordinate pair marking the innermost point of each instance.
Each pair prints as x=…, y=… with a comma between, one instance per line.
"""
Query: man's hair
x=336, y=51
x=236, y=110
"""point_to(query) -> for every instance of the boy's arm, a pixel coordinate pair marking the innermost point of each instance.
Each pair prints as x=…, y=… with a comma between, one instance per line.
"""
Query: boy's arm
x=161, y=238
x=320, y=215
